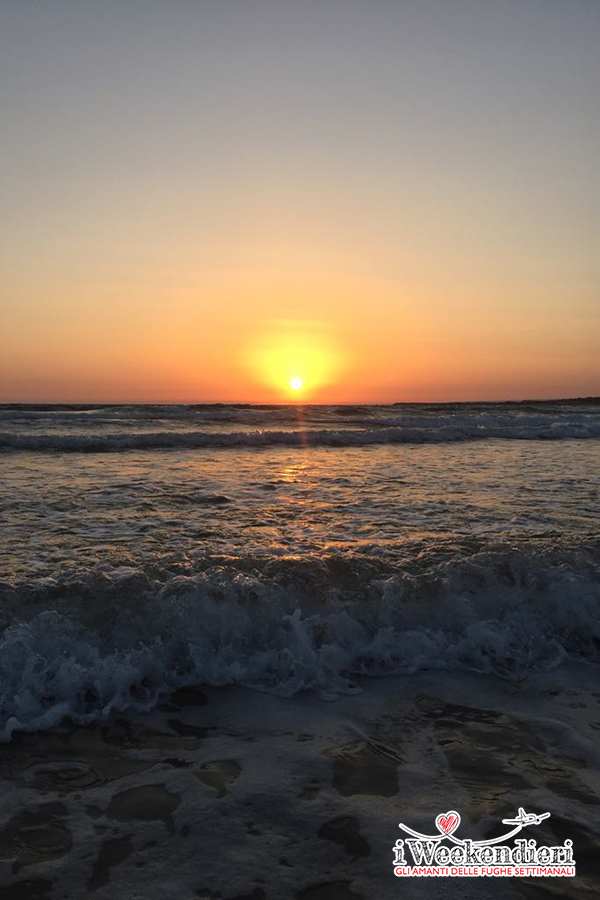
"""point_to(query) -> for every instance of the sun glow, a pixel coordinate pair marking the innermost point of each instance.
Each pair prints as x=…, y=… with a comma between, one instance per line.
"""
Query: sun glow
x=297, y=358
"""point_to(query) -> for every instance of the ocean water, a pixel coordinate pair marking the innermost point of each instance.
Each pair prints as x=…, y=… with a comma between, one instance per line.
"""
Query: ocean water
x=145, y=548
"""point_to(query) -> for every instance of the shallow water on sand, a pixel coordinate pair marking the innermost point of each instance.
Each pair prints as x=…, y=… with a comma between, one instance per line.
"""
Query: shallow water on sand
x=228, y=794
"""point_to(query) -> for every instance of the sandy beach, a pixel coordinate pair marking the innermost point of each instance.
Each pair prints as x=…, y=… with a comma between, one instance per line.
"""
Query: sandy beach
x=230, y=793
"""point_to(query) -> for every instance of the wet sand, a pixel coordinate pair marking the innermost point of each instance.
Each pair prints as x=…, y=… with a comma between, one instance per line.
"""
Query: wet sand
x=230, y=794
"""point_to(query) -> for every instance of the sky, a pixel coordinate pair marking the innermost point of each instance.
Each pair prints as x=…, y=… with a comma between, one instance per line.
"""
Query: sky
x=390, y=200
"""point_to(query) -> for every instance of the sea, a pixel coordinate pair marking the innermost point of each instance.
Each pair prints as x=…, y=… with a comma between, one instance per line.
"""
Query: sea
x=149, y=548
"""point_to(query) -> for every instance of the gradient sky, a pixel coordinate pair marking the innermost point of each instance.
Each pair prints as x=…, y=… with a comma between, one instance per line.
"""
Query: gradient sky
x=393, y=199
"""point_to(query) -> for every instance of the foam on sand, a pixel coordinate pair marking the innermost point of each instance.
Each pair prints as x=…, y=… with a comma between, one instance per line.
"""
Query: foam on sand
x=230, y=793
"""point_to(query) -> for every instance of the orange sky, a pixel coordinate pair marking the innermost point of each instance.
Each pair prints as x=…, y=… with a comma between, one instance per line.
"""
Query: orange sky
x=398, y=204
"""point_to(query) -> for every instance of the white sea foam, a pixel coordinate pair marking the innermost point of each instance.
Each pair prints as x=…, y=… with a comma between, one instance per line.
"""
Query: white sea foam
x=117, y=640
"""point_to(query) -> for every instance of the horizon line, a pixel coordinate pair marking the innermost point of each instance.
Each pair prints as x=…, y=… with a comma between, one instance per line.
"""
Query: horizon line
x=579, y=399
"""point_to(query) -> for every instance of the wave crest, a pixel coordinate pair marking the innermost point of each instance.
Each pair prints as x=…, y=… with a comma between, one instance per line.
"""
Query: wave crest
x=431, y=432
x=119, y=639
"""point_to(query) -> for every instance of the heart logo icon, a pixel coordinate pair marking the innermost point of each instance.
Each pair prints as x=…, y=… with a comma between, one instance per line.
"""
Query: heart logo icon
x=448, y=822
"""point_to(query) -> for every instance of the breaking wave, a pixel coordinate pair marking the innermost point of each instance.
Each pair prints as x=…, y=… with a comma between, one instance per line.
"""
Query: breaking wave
x=109, y=640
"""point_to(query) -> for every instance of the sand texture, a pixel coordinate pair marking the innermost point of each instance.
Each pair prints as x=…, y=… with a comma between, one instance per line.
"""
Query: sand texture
x=230, y=794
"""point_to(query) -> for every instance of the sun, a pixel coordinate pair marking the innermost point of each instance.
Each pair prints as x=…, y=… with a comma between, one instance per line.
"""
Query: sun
x=294, y=361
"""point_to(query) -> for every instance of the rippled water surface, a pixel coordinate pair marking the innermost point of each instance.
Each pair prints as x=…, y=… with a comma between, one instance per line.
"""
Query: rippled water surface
x=64, y=509
x=146, y=548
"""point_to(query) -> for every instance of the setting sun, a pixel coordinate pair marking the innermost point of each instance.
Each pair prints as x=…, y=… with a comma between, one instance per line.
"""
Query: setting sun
x=296, y=357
